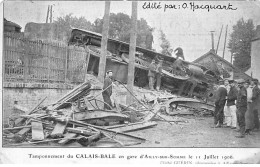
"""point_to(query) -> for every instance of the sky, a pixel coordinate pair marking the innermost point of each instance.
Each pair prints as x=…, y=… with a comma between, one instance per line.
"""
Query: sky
x=183, y=27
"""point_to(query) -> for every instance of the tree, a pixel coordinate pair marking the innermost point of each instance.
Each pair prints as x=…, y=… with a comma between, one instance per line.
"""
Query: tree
x=165, y=45
x=120, y=27
x=65, y=23
x=240, y=43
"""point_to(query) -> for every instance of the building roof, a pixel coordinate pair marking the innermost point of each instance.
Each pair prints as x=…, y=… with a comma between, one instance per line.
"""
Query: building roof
x=212, y=52
x=9, y=23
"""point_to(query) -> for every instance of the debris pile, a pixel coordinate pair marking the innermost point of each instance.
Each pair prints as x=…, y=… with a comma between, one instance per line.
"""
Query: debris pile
x=70, y=120
x=79, y=118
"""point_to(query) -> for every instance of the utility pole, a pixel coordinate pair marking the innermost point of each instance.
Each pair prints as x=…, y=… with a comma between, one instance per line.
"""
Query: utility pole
x=212, y=40
x=51, y=14
x=219, y=38
x=48, y=14
x=225, y=42
x=102, y=60
x=232, y=52
x=131, y=64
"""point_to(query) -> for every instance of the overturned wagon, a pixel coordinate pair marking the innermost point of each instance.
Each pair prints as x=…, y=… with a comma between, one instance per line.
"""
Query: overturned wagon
x=193, y=80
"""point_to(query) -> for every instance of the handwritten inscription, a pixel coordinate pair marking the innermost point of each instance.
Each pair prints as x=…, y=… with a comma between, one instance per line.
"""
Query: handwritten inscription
x=191, y=6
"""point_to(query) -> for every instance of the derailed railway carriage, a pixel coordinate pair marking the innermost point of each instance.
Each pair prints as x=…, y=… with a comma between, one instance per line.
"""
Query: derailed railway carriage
x=192, y=80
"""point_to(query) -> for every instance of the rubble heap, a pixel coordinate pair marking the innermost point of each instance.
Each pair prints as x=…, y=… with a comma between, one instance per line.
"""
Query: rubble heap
x=78, y=117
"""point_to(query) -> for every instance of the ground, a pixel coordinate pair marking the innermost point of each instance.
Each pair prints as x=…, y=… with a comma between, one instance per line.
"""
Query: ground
x=197, y=133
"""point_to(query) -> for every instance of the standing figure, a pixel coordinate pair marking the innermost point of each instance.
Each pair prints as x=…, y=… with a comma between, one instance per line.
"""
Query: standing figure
x=255, y=102
x=149, y=39
x=219, y=106
x=151, y=74
x=179, y=53
x=241, y=107
x=107, y=90
x=159, y=75
x=231, y=105
x=249, y=116
x=227, y=114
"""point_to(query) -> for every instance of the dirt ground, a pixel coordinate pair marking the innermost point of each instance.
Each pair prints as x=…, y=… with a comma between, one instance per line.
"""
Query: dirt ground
x=198, y=132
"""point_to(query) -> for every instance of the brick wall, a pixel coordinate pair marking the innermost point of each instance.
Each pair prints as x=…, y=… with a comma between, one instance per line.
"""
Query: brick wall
x=29, y=97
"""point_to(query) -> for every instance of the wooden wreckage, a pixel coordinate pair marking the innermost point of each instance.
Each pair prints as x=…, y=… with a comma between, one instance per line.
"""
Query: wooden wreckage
x=71, y=119
x=192, y=80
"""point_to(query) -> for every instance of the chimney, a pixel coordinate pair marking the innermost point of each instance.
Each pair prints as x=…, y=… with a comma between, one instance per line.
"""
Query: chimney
x=212, y=40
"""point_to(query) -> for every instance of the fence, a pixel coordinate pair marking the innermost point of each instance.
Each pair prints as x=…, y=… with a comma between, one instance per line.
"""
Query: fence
x=42, y=61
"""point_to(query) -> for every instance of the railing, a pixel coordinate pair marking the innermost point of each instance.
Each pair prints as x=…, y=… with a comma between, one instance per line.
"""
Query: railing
x=42, y=61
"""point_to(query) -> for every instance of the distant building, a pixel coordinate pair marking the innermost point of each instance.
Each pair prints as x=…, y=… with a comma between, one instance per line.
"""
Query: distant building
x=11, y=26
x=44, y=31
x=220, y=66
x=255, y=55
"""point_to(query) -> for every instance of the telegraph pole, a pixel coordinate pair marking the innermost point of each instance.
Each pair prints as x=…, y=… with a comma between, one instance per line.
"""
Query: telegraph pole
x=102, y=60
x=225, y=42
x=51, y=14
x=131, y=64
x=219, y=38
x=48, y=14
x=212, y=40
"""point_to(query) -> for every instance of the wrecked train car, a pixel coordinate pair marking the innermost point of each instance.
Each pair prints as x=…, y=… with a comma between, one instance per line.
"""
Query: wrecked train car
x=191, y=80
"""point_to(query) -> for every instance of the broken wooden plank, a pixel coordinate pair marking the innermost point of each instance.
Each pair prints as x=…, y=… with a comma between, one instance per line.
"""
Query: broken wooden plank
x=21, y=120
x=98, y=122
x=59, y=129
x=181, y=112
x=115, y=134
x=21, y=135
x=67, y=137
x=61, y=125
x=93, y=115
x=34, y=116
x=113, y=138
x=72, y=96
x=118, y=108
x=17, y=128
x=37, y=131
x=87, y=132
x=85, y=141
x=151, y=114
x=134, y=126
x=37, y=142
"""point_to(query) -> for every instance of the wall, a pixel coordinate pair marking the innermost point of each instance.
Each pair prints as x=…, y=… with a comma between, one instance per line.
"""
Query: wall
x=28, y=96
x=255, y=55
